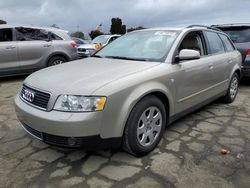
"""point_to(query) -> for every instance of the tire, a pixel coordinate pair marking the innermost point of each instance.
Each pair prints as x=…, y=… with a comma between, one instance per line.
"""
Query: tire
x=56, y=60
x=143, y=132
x=232, y=89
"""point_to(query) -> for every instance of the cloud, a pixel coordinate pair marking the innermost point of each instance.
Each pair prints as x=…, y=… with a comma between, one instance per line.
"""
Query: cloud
x=149, y=13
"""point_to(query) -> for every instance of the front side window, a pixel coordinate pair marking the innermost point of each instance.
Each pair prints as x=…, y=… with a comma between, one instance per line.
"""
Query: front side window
x=228, y=45
x=112, y=39
x=101, y=39
x=6, y=35
x=214, y=42
x=30, y=34
x=151, y=45
x=193, y=41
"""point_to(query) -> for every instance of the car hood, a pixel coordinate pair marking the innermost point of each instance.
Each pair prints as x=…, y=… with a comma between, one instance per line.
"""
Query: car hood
x=83, y=77
x=87, y=46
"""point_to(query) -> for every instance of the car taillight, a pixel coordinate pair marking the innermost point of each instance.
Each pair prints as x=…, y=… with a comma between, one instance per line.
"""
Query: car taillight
x=73, y=44
x=248, y=52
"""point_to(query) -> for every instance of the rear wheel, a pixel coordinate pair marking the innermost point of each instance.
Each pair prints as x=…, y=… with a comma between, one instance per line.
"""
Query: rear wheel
x=232, y=90
x=56, y=60
x=145, y=126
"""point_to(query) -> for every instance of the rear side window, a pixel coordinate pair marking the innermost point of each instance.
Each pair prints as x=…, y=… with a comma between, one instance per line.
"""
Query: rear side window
x=214, y=42
x=6, y=35
x=55, y=37
x=30, y=34
x=238, y=34
x=228, y=45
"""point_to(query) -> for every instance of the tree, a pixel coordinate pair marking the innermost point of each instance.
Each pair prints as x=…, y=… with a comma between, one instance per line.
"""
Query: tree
x=136, y=28
x=3, y=22
x=117, y=27
x=78, y=34
x=94, y=33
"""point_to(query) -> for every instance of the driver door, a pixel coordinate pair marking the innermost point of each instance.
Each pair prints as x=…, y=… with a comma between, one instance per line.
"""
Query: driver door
x=193, y=77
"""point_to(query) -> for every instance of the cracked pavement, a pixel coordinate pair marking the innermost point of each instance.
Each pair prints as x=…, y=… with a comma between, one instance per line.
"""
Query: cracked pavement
x=189, y=155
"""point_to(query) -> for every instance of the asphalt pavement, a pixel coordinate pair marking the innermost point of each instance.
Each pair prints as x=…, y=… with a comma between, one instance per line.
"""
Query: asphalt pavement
x=189, y=155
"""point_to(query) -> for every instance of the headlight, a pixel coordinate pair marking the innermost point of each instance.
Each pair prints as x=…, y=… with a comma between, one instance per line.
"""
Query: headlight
x=76, y=103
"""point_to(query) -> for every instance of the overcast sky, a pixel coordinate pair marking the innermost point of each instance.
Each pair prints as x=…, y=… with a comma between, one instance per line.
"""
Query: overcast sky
x=67, y=14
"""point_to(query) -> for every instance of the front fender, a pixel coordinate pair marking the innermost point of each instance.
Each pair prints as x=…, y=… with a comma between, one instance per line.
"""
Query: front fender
x=120, y=104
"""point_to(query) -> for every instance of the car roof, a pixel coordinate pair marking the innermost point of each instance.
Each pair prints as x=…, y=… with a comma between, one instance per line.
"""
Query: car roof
x=33, y=26
x=187, y=28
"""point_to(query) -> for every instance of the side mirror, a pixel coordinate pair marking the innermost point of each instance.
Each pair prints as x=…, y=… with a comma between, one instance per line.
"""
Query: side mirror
x=187, y=54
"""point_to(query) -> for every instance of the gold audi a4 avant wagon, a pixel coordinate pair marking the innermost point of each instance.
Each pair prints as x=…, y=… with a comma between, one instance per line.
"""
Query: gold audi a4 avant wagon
x=127, y=93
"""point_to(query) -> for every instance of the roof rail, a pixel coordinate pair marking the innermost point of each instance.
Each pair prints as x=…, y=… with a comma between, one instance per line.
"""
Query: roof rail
x=213, y=28
x=231, y=24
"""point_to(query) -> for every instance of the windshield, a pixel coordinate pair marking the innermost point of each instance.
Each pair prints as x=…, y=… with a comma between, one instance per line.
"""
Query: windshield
x=150, y=45
x=100, y=39
x=238, y=34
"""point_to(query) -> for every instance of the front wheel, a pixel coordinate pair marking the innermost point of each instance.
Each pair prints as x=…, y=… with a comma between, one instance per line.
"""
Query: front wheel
x=145, y=126
x=232, y=90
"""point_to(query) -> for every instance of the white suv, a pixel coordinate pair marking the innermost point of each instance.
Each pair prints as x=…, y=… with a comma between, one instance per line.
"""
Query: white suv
x=87, y=50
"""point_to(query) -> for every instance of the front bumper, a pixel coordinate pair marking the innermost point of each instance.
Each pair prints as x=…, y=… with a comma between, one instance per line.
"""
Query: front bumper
x=89, y=142
x=64, y=128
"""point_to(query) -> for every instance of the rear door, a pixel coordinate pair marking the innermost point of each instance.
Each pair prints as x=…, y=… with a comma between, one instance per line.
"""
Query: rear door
x=8, y=52
x=219, y=61
x=33, y=48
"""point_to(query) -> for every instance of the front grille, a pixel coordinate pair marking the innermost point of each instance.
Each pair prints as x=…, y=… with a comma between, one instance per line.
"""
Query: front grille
x=81, y=49
x=41, y=99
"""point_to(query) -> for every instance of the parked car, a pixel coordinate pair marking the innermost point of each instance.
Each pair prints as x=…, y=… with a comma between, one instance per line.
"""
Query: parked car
x=26, y=49
x=240, y=35
x=87, y=50
x=80, y=41
x=130, y=90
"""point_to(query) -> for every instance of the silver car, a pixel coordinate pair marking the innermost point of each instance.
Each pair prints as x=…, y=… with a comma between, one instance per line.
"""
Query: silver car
x=129, y=92
x=26, y=49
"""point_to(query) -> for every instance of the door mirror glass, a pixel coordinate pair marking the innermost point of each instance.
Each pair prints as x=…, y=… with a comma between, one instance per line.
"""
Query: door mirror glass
x=187, y=54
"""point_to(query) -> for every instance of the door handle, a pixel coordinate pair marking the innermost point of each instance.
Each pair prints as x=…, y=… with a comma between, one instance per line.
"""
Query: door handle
x=211, y=66
x=46, y=45
x=10, y=47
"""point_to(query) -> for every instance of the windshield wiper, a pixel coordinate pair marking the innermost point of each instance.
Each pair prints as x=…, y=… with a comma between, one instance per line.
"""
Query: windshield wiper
x=126, y=58
x=98, y=56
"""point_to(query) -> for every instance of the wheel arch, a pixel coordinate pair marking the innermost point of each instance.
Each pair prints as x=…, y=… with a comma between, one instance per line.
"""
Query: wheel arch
x=129, y=100
x=60, y=54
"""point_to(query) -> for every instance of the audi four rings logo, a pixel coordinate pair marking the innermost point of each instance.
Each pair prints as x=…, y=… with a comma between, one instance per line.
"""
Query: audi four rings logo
x=28, y=95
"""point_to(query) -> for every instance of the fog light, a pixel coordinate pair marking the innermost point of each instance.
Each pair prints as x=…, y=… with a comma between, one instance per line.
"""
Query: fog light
x=71, y=141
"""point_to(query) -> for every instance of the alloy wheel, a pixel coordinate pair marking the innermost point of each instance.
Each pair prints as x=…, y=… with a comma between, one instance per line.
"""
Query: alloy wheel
x=234, y=87
x=149, y=126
